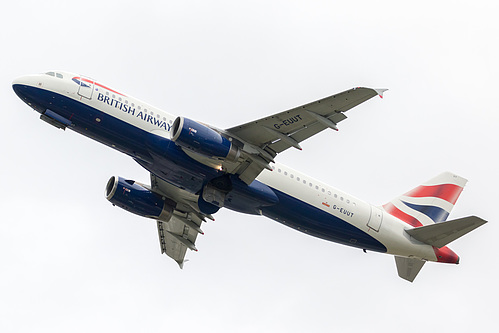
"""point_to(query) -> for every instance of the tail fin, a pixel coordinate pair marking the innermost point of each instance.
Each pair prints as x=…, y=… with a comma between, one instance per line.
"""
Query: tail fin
x=428, y=203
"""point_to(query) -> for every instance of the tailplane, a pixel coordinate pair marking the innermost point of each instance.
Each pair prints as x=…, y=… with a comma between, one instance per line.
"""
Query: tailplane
x=428, y=203
x=441, y=234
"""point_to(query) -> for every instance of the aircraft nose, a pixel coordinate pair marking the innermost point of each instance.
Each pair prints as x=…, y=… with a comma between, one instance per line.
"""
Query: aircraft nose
x=26, y=80
x=20, y=86
x=19, y=80
x=24, y=88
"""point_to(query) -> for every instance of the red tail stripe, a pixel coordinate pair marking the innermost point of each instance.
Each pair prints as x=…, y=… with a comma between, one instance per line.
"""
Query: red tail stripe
x=447, y=192
x=394, y=211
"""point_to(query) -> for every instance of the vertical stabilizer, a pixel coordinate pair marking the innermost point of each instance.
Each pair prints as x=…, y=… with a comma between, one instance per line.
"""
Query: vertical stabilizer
x=428, y=203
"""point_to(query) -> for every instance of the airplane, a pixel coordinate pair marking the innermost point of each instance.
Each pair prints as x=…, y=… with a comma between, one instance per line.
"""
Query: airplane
x=196, y=169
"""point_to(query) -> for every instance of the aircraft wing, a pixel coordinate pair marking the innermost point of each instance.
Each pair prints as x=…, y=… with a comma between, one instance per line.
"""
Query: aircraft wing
x=180, y=232
x=265, y=138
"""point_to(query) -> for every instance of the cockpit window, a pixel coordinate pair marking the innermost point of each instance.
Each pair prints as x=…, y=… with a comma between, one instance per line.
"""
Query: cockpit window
x=58, y=75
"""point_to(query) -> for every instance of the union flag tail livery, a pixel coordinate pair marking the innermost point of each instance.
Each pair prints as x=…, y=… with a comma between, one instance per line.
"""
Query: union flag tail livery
x=196, y=169
x=428, y=203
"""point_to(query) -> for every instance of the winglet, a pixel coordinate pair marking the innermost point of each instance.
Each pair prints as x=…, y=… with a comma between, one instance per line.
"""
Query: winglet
x=380, y=92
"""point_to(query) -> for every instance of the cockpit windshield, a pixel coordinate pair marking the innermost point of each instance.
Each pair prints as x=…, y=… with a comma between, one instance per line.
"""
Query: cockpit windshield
x=58, y=75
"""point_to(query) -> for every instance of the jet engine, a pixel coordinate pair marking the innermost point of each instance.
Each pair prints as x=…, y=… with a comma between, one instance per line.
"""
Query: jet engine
x=138, y=199
x=203, y=140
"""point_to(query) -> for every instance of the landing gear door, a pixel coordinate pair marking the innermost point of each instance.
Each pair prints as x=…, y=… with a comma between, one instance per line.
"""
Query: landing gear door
x=375, y=219
x=86, y=87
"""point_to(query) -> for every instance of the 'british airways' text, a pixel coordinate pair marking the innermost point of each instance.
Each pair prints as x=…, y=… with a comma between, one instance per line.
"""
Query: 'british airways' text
x=131, y=110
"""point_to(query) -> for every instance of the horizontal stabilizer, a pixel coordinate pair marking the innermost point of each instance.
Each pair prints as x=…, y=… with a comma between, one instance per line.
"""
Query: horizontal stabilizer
x=408, y=268
x=441, y=234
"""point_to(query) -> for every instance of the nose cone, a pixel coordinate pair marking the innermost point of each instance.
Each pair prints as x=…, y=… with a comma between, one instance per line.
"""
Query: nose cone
x=27, y=80
x=446, y=255
x=19, y=86
x=26, y=87
x=23, y=84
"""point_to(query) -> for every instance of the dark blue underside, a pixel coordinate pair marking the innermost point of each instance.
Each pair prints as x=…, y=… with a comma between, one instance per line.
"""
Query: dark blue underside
x=163, y=158
x=313, y=221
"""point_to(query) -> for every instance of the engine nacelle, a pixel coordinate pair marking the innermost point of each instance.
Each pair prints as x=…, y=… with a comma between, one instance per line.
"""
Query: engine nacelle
x=203, y=140
x=137, y=199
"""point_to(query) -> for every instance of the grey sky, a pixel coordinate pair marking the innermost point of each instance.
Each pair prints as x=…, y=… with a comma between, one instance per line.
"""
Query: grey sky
x=72, y=262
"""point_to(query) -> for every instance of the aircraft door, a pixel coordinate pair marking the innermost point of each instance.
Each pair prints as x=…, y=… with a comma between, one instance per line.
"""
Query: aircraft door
x=375, y=219
x=86, y=87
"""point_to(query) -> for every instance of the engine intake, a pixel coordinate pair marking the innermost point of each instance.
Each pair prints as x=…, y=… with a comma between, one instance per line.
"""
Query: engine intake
x=137, y=199
x=203, y=140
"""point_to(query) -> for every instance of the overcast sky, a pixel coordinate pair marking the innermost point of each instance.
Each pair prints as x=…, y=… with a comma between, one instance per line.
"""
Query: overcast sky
x=71, y=262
